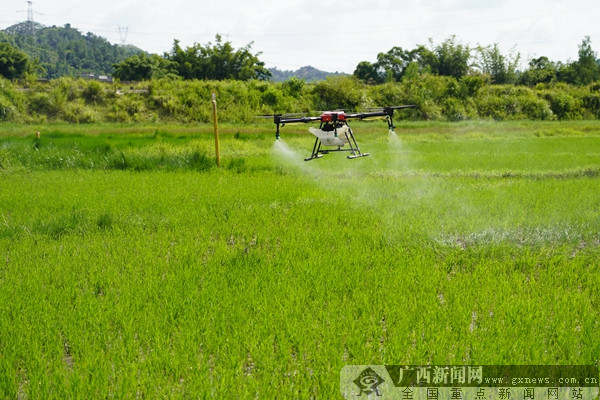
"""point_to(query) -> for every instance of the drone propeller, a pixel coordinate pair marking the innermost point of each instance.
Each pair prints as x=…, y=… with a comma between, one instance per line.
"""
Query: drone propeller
x=271, y=116
x=401, y=107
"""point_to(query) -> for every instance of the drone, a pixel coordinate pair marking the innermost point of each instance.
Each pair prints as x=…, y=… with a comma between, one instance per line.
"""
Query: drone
x=334, y=132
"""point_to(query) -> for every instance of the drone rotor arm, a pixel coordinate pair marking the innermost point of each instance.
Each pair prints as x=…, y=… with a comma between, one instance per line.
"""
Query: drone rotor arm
x=280, y=121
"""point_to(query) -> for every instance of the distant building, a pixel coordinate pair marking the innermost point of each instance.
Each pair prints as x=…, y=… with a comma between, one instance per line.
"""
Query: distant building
x=101, y=78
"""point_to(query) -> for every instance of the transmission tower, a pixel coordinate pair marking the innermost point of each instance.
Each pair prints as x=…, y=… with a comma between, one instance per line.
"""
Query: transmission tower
x=30, y=17
x=123, y=31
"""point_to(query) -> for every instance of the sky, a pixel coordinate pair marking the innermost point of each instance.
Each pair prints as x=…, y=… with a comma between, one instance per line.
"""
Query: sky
x=331, y=35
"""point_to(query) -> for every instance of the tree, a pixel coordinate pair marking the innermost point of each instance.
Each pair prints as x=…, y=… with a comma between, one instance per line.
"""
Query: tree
x=502, y=69
x=367, y=72
x=14, y=64
x=142, y=67
x=393, y=64
x=389, y=66
x=217, y=61
x=541, y=70
x=448, y=58
x=586, y=68
x=583, y=71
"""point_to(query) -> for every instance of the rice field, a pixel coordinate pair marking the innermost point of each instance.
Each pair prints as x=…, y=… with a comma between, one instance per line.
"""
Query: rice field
x=132, y=267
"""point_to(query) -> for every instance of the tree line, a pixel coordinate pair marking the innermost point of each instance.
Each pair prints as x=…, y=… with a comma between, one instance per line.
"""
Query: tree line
x=451, y=58
x=52, y=52
x=447, y=81
x=218, y=61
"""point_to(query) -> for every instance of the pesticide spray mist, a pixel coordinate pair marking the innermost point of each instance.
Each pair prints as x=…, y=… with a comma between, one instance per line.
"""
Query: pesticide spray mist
x=290, y=157
x=283, y=151
x=398, y=160
x=394, y=139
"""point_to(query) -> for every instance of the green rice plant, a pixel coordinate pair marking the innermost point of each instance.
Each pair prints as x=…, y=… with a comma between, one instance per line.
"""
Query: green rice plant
x=165, y=276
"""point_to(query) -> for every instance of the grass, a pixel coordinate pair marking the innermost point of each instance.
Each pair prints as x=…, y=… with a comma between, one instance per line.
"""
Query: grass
x=164, y=276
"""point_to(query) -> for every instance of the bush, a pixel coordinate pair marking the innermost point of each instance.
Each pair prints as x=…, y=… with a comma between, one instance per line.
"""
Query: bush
x=563, y=105
x=93, y=93
x=592, y=104
x=387, y=94
x=337, y=93
x=435, y=97
x=535, y=108
x=455, y=109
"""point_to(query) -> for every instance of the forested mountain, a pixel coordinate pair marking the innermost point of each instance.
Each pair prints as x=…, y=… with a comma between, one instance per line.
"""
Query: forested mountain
x=308, y=73
x=65, y=51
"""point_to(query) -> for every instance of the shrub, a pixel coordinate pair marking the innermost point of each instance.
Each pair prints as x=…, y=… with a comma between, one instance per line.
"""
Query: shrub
x=337, y=93
x=563, y=105
x=92, y=93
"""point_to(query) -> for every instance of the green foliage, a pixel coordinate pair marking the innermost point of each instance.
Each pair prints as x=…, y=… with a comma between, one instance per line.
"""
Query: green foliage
x=436, y=98
x=64, y=51
x=142, y=67
x=337, y=93
x=11, y=101
x=449, y=58
x=501, y=69
x=13, y=63
x=367, y=72
x=591, y=100
x=587, y=68
x=217, y=61
x=294, y=86
x=541, y=70
x=565, y=103
x=393, y=64
x=507, y=102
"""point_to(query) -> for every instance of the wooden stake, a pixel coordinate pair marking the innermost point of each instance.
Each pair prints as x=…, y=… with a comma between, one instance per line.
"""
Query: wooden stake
x=214, y=104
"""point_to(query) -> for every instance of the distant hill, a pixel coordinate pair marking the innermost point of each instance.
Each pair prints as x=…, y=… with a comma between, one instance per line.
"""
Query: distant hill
x=64, y=51
x=308, y=73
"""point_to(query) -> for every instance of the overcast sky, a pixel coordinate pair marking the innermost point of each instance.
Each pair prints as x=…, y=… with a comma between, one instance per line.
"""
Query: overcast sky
x=331, y=35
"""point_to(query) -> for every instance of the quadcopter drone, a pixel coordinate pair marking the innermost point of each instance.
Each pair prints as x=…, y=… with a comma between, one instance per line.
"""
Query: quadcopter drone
x=334, y=130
